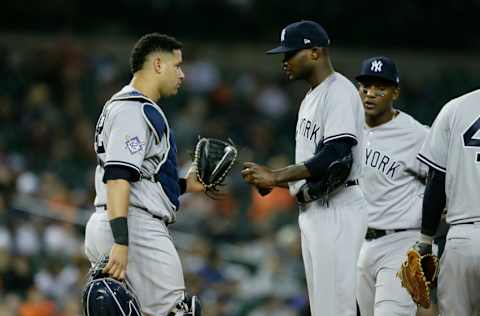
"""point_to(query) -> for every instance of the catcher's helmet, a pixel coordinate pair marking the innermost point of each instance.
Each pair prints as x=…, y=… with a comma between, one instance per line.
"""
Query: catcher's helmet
x=105, y=296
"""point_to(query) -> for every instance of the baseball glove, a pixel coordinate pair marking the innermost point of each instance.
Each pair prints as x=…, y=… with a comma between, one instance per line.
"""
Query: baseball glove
x=213, y=159
x=337, y=174
x=418, y=275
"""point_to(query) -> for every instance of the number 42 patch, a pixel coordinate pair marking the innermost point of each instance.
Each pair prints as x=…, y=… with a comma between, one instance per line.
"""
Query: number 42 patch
x=134, y=144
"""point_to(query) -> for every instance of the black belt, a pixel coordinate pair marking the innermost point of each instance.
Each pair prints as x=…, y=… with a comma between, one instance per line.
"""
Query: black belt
x=373, y=233
x=104, y=206
x=467, y=223
x=301, y=198
x=350, y=183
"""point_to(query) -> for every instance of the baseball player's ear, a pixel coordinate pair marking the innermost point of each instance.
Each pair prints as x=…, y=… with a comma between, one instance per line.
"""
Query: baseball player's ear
x=315, y=53
x=396, y=93
x=157, y=63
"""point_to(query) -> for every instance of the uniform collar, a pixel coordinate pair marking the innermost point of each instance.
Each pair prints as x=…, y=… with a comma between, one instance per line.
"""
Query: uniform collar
x=393, y=121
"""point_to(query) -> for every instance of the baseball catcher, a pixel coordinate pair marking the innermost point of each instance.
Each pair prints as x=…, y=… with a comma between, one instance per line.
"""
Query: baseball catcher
x=418, y=273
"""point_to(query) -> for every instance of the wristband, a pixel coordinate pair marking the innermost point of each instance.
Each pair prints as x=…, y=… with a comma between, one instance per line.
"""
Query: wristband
x=119, y=227
x=182, y=182
x=425, y=239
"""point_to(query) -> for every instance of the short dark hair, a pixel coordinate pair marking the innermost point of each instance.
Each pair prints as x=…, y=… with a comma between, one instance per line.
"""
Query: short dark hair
x=151, y=43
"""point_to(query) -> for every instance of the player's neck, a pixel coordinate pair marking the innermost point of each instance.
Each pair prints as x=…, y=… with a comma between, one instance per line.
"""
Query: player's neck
x=320, y=74
x=387, y=116
x=145, y=87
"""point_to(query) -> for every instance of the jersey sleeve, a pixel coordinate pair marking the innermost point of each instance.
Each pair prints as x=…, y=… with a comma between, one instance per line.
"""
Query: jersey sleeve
x=341, y=116
x=127, y=139
x=420, y=168
x=434, y=152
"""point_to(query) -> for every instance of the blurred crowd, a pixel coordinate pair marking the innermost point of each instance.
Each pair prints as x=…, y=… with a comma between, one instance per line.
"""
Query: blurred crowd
x=234, y=251
x=241, y=254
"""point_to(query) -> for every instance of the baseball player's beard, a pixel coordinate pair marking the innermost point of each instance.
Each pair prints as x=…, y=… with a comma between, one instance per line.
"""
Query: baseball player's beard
x=304, y=73
x=295, y=75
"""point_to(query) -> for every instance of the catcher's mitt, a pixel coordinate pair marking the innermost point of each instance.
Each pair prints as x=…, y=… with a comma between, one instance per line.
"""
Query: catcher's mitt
x=418, y=275
x=213, y=159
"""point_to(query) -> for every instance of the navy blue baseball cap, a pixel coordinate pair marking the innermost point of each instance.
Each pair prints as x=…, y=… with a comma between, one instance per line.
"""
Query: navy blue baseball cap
x=379, y=67
x=300, y=35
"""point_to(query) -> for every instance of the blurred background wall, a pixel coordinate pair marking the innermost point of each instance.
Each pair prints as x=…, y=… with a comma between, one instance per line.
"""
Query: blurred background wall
x=61, y=60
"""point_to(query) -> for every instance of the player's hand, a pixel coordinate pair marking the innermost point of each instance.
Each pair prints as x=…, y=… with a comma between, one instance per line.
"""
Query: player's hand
x=423, y=248
x=259, y=176
x=117, y=262
x=193, y=185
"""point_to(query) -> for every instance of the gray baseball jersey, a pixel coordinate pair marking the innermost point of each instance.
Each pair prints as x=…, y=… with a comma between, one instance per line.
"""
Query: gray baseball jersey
x=391, y=174
x=331, y=234
x=133, y=131
x=453, y=146
x=394, y=193
x=330, y=111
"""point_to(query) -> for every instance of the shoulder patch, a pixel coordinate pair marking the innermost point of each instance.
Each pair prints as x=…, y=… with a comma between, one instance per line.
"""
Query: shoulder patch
x=155, y=120
x=134, y=144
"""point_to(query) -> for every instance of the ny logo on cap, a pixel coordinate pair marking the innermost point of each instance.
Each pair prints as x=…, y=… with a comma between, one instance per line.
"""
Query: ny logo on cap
x=306, y=41
x=376, y=66
x=282, y=36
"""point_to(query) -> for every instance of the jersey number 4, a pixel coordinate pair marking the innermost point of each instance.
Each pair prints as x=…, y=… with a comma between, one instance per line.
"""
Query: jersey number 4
x=469, y=141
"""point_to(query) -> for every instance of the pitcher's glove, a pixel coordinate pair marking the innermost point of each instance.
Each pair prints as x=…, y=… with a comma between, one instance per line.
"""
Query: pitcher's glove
x=336, y=175
x=213, y=159
x=418, y=273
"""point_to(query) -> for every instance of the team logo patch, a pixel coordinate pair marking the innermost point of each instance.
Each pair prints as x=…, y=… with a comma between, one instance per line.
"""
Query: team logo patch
x=134, y=145
x=376, y=66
